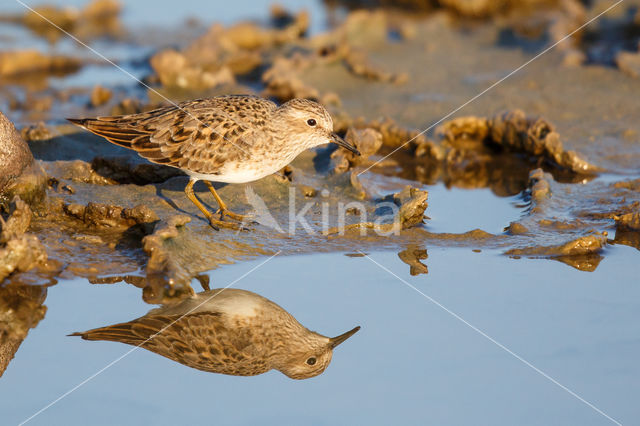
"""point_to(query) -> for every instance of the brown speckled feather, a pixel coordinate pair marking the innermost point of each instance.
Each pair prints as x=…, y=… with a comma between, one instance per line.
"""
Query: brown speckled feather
x=199, y=135
x=229, y=331
x=198, y=340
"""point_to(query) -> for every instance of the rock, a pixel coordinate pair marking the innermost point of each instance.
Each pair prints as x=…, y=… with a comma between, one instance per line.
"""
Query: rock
x=15, y=155
x=19, y=173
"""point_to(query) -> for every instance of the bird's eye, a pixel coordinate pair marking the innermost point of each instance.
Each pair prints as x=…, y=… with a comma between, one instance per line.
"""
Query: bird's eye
x=311, y=360
x=311, y=122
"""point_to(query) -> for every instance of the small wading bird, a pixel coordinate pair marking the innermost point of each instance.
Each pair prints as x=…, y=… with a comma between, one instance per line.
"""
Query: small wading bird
x=228, y=331
x=230, y=139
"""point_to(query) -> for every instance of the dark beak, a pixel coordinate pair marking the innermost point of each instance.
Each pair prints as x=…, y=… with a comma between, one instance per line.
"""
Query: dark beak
x=341, y=142
x=335, y=341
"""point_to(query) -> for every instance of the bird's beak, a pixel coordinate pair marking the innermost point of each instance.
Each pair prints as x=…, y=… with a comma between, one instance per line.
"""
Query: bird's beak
x=341, y=142
x=335, y=341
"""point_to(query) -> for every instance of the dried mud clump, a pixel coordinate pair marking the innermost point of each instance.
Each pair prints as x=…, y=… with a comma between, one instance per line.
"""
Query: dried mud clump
x=100, y=96
x=412, y=203
x=628, y=222
x=539, y=186
x=112, y=217
x=36, y=132
x=77, y=171
x=513, y=131
x=98, y=18
x=359, y=64
x=20, y=62
x=476, y=9
x=19, y=251
x=580, y=246
x=346, y=45
x=283, y=81
x=222, y=53
x=395, y=136
x=175, y=70
x=368, y=141
x=165, y=274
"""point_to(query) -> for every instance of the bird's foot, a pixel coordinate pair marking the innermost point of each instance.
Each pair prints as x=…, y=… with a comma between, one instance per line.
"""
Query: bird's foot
x=234, y=216
x=218, y=224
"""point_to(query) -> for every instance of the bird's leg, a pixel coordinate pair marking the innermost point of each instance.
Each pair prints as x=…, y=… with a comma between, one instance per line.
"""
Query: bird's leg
x=224, y=211
x=215, y=223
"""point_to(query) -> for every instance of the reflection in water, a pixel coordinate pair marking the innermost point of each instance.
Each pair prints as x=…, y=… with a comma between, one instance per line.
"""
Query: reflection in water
x=412, y=257
x=21, y=309
x=627, y=237
x=154, y=291
x=505, y=174
x=583, y=262
x=228, y=331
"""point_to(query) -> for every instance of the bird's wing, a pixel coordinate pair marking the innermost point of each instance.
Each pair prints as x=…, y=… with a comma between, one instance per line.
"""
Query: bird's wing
x=198, y=135
x=199, y=340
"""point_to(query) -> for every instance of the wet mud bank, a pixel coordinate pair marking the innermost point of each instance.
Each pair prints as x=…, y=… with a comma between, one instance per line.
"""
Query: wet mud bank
x=394, y=85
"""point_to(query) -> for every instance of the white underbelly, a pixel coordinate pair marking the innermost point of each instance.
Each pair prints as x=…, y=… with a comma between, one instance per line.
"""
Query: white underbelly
x=249, y=173
x=242, y=176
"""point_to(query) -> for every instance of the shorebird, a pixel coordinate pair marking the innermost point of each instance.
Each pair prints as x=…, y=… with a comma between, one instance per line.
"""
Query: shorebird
x=228, y=331
x=230, y=139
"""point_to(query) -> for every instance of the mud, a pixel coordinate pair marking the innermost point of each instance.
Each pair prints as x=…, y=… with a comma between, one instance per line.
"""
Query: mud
x=19, y=250
x=111, y=216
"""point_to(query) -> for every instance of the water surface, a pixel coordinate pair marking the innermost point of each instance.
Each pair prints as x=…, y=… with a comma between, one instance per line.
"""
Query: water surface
x=412, y=362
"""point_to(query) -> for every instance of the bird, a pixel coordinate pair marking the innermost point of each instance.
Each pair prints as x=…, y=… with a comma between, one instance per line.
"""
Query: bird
x=228, y=331
x=229, y=139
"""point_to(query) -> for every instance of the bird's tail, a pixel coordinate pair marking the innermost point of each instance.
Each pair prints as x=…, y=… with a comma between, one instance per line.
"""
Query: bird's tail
x=117, y=134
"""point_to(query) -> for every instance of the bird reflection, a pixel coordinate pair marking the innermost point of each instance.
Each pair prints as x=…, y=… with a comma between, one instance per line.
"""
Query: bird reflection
x=228, y=331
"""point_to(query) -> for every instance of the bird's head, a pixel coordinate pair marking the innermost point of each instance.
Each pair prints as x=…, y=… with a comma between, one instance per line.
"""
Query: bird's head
x=309, y=123
x=313, y=355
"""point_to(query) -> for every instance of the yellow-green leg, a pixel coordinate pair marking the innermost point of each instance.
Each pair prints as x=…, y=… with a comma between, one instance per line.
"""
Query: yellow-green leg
x=215, y=223
x=224, y=211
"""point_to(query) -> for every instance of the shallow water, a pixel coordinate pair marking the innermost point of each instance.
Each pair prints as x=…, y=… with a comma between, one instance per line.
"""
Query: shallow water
x=149, y=13
x=412, y=362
